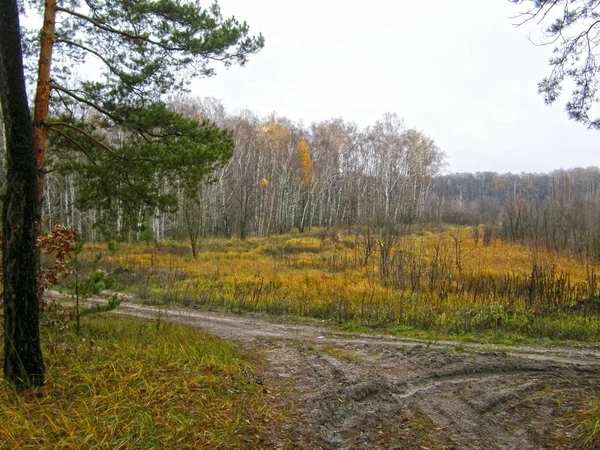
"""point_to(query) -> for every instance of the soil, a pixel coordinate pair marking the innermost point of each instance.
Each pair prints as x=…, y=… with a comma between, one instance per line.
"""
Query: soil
x=360, y=391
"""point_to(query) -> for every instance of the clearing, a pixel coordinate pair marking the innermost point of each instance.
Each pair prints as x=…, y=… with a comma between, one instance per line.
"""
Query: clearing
x=345, y=390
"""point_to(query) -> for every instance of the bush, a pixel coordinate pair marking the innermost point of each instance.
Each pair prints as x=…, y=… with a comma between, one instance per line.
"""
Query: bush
x=94, y=284
x=113, y=246
x=146, y=235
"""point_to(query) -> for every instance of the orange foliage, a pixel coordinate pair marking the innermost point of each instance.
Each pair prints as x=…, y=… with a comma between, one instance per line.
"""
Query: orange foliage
x=61, y=243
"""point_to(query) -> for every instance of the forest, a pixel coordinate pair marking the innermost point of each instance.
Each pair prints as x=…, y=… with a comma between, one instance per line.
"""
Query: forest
x=284, y=176
x=177, y=274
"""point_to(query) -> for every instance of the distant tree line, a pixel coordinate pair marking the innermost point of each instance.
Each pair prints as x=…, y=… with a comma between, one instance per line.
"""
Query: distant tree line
x=559, y=210
x=281, y=176
x=284, y=175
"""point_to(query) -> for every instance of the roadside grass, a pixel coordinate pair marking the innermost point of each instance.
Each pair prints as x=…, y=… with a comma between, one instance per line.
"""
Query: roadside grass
x=482, y=336
x=587, y=426
x=132, y=384
x=440, y=282
x=590, y=426
x=579, y=428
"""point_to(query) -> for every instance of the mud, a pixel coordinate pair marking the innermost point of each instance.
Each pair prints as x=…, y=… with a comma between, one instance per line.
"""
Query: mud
x=355, y=391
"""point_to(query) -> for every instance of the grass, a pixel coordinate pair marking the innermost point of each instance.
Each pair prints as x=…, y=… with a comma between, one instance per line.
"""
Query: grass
x=587, y=426
x=591, y=426
x=492, y=337
x=579, y=428
x=339, y=353
x=431, y=282
x=128, y=384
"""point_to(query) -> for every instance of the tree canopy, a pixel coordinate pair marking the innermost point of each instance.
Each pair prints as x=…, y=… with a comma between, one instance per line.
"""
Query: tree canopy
x=113, y=127
x=573, y=27
x=144, y=49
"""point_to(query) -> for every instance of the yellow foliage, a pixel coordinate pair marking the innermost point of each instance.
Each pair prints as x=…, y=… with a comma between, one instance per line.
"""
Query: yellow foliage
x=305, y=161
x=275, y=131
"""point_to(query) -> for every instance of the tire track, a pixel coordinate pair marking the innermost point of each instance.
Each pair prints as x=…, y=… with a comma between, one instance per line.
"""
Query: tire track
x=344, y=390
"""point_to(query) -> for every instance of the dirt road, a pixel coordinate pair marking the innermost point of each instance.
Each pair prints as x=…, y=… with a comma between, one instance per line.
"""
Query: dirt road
x=365, y=391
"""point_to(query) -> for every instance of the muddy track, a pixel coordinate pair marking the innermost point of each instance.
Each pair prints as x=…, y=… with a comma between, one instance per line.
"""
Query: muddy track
x=365, y=391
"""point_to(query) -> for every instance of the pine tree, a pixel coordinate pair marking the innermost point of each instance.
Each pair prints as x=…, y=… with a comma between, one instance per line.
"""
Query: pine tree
x=147, y=48
x=572, y=27
x=23, y=362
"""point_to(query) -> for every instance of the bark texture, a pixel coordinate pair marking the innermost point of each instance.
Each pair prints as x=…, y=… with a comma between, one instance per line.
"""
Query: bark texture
x=42, y=98
x=23, y=362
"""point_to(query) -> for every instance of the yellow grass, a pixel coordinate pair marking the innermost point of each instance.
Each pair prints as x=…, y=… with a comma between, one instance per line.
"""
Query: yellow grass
x=431, y=281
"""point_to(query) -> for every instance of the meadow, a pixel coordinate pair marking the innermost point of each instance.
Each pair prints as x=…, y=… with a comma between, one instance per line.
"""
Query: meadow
x=442, y=282
x=112, y=386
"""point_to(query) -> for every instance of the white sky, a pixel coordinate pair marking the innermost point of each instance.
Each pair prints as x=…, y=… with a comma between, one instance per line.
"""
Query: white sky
x=456, y=69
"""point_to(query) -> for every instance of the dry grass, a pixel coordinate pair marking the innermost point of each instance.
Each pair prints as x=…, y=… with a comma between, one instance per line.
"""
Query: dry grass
x=587, y=426
x=442, y=282
x=128, y=384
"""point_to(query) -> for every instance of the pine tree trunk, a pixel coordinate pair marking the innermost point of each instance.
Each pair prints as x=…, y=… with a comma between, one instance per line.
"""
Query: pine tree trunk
x=42, y=96
x=23, y=362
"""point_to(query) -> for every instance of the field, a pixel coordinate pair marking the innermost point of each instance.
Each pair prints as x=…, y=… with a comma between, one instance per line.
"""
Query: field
x=442, y=283
x=152, y=382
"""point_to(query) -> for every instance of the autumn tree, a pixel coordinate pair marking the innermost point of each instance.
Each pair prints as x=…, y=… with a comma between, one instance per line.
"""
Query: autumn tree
x=278, y=143
x=400, y=163
x=306, y=180
x=245, y=172
x=192, y=213
x=305, y=162
x=282, y=175
x=337, y=173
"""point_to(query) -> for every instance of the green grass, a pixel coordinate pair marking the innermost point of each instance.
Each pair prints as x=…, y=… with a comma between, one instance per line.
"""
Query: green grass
x=128, y=384
x=493, y=337
x=339, y=353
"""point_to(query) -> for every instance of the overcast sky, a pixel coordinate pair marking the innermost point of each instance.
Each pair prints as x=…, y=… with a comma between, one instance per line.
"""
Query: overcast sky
x=456, y=69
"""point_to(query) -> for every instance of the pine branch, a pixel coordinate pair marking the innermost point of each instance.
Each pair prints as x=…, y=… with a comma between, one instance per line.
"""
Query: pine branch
x=108, y=64
x=125, y=34
x=75, y=143
x=85, y=134
x=87, y=102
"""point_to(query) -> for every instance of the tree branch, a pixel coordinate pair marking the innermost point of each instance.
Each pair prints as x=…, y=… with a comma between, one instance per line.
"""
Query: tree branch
x=85, y=134
x=140, y=37
x=74, y=142
x=92, y=51
x=534, y=12
x=125, y=34
x=86, y=101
